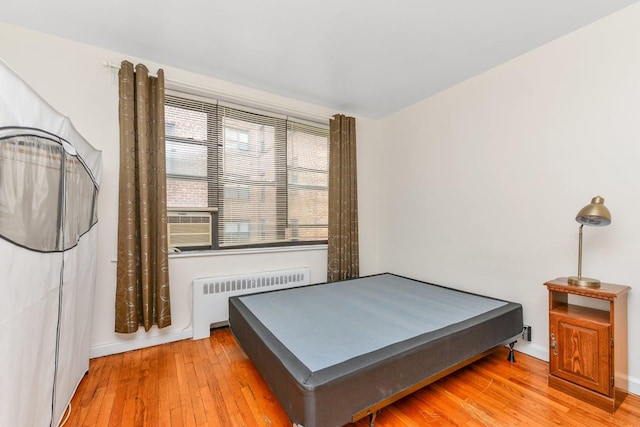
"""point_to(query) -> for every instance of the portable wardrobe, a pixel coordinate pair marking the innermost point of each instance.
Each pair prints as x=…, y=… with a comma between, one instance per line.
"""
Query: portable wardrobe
x=49, y=180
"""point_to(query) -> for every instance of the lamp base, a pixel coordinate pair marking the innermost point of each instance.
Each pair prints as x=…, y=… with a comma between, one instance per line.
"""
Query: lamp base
x=585, y=282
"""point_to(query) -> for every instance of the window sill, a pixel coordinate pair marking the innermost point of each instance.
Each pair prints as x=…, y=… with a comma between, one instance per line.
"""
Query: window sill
x=250, y=251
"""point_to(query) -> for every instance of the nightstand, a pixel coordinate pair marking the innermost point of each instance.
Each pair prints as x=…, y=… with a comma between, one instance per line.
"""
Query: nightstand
x=588, y=354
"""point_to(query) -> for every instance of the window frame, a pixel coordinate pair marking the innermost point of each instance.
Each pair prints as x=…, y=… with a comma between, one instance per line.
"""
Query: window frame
x=215, y=143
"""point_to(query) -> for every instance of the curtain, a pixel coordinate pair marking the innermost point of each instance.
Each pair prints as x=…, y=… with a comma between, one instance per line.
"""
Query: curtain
x=342, y=254
x=142, y=288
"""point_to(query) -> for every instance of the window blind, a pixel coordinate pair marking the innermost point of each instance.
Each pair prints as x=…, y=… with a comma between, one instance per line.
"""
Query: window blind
x=266, y=176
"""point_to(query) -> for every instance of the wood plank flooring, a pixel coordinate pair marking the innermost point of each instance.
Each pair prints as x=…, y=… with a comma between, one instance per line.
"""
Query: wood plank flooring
x=210, y=382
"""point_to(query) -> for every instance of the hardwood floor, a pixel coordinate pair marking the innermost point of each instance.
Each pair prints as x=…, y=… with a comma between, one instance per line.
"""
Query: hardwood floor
x=210, y=382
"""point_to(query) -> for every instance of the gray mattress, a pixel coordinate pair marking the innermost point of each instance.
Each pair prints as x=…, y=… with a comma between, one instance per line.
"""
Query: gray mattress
x=331, y=351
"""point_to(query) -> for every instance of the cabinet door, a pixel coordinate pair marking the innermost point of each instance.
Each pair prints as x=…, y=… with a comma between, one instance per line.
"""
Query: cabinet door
x=582, y=352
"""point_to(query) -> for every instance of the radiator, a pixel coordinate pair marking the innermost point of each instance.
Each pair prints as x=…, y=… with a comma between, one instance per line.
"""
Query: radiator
x=211, y=294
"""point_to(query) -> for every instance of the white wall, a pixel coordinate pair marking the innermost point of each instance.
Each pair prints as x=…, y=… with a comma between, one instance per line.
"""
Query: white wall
x=483, y=181
x=70, y=76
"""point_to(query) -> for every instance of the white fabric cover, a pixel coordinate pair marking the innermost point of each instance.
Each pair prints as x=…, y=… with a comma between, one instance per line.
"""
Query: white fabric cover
x=46, y=297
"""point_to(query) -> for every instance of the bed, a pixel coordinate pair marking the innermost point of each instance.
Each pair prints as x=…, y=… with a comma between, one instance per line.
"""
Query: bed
x=337, y=352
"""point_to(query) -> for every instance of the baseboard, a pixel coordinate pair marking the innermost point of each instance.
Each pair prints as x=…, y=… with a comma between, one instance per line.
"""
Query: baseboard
x=533, y=350
x=634, y=385
x=138, y=340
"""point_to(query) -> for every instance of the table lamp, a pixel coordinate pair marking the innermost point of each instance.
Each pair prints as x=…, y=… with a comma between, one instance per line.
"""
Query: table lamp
x=597, y=215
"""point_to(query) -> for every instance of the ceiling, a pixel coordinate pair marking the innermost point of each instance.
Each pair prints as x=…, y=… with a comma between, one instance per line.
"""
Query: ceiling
x=363, y=57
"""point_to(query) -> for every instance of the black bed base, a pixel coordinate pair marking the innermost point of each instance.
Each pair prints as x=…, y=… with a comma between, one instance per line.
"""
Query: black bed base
x=360, y=387
x=372, y=410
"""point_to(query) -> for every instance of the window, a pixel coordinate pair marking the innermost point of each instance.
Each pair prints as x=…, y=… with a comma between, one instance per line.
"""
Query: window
x=264, y=178
x=237, y=231
x=236, y=191
x=236, y=139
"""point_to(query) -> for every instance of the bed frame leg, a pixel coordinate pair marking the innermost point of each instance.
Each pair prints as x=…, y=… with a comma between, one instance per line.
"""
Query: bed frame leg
x=511, y=357
x=372, y=418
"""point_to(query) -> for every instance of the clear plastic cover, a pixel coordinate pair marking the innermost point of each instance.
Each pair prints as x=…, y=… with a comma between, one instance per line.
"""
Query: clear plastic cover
x=42, y=208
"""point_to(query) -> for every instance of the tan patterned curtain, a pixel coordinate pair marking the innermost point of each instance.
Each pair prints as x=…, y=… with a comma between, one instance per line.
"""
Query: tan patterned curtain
x=342, y=255
x=142, y=289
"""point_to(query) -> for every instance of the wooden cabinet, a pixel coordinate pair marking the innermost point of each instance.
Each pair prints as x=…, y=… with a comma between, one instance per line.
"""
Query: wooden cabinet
x=588, y=342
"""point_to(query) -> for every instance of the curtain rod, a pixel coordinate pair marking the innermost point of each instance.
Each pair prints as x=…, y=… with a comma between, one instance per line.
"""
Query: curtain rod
x=230, y=96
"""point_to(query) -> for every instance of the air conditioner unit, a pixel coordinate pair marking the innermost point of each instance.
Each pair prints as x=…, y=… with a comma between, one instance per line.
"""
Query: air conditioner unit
x=189, y=229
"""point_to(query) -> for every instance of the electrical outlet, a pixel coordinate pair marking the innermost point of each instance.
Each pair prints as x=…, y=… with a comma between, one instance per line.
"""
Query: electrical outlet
x=526, y=333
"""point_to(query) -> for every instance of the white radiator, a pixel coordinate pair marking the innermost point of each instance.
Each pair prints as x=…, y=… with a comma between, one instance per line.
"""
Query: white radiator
x=211, y=294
